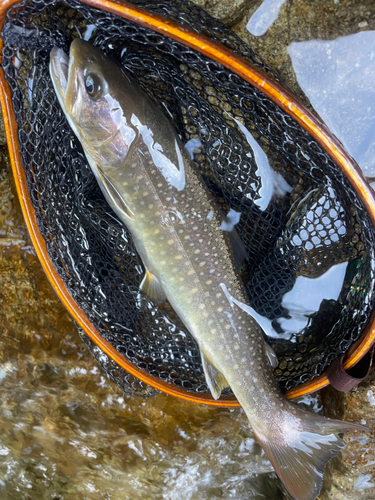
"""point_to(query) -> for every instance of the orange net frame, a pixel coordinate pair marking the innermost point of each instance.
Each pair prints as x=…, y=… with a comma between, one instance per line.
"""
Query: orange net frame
x=253, y=75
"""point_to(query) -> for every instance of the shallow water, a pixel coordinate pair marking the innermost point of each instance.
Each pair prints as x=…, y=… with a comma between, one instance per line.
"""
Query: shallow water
x=67, y=432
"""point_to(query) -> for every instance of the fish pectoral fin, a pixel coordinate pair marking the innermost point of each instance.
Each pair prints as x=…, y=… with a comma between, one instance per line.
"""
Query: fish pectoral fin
x=271, y=355
x=215, y=379
x=151, y=287
x=300, y=452
x=114, y=195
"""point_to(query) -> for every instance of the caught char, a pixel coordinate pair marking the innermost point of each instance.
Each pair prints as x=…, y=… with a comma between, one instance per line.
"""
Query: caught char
x=146, y=177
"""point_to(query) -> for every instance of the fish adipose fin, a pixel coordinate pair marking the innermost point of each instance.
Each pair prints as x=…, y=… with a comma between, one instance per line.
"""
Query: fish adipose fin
x=300, y=455
x=151, y=287
x=215, y=379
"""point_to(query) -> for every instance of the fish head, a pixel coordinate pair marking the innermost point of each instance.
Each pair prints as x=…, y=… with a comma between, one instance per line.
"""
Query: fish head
x=90, y=87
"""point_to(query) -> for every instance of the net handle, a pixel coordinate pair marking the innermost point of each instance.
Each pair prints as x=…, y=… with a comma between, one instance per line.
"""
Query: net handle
x=272, y=89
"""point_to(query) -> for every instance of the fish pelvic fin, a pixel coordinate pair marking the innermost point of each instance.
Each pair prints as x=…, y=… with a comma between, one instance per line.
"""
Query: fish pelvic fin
x=271, y=355
x=152, y=287
x=215, y=379
x=301, y=454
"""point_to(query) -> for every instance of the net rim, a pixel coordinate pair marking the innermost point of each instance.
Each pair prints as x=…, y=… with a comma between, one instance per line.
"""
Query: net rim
x=272, y=89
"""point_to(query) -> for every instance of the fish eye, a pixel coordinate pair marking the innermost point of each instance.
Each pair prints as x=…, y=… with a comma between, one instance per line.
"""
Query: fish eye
x=94, y=86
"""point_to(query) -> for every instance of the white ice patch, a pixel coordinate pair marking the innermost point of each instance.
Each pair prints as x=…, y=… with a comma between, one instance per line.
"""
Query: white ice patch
x=338, y=77
x=175, y=176
x=264, y=323
x=90, y=28
x=230, y=220
x=371, y=398
x=363, y=482
x=307, y=295
x=272, y=182
x=311, y=401
x=264, y=17
x=191, y=146
x=303, y=300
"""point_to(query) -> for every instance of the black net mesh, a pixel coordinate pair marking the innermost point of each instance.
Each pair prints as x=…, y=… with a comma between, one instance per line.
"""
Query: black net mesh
x=318, y=223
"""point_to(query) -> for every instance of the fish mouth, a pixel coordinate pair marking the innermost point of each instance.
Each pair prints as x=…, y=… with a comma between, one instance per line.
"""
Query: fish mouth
x=59, y=68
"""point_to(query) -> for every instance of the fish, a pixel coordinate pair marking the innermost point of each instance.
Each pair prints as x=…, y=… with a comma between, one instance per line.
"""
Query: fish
x=189, y=258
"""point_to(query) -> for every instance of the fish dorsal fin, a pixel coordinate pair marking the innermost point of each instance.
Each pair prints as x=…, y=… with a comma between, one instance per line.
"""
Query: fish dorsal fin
x=271, y=355
x=215, y=379
x=151, y=287
x=300, y=454
x=113, y=194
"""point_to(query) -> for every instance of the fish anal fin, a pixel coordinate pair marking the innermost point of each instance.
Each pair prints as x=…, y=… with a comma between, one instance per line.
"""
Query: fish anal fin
x=151, y=287
x=215, y=379
x=301, y=454
x=115, y=197
x=271, y=355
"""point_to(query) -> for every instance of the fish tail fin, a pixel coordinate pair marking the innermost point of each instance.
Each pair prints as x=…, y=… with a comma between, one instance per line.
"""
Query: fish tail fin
x=301, y=452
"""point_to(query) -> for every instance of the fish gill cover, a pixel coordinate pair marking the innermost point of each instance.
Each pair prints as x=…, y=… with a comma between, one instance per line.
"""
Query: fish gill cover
x=312, y=229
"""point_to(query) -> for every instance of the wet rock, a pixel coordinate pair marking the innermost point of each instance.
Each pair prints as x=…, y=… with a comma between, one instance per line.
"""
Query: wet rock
x=301, y=20
x=229, y=12
x=351, y=476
